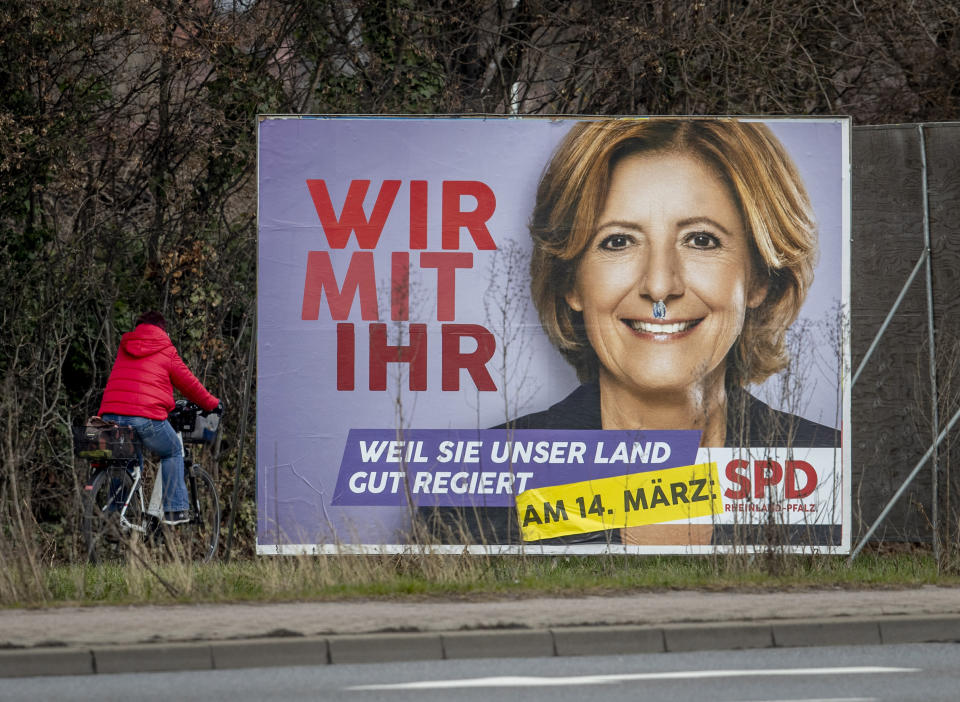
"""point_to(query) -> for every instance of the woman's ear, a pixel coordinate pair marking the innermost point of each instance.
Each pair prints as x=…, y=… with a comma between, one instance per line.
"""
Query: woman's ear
x=759, y=287
x=573, y=299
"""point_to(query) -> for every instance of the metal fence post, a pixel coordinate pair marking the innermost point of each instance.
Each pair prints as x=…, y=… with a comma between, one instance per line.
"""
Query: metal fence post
x=931, y=343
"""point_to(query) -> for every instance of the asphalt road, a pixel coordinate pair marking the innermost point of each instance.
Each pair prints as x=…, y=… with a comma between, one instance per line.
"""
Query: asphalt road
x=897, y=673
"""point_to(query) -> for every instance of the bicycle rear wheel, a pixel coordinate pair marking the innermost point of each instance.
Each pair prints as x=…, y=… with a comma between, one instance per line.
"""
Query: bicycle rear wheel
x=105, y=536
x=197, y=540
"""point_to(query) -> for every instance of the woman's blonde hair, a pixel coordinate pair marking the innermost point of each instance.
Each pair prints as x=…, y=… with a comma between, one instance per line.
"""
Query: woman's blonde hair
x=762, y=179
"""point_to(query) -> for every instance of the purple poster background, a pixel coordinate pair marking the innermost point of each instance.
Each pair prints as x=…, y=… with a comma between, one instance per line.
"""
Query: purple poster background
x=303, y=420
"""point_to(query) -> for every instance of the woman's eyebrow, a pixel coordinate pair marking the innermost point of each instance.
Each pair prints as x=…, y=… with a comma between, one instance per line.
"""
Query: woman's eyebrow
x=687, y=222
x=690, y=221
x=625, y=224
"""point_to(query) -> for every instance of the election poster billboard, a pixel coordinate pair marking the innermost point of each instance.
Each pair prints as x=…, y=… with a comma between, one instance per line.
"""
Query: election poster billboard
x=552, y=335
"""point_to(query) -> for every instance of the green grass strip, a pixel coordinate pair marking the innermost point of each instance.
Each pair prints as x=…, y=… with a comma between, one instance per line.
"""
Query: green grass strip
x=281, y=579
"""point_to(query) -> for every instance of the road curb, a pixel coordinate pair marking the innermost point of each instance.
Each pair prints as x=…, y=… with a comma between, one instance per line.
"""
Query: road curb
x=30, y=662
x=152, y=658
x=492, y=643
x=717, y=636
x=851, y=632
x=512, y=643
x=385, y=648
x=270, y=652
x=607, y=640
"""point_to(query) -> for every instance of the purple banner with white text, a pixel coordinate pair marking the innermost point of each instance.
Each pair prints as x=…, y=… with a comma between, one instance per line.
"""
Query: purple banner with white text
x=490, y=467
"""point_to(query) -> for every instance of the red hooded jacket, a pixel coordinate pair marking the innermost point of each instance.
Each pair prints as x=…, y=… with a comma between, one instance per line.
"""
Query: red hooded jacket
x=144, y=375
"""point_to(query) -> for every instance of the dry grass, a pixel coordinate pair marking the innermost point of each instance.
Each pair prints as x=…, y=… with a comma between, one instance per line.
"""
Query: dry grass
x=276, y=579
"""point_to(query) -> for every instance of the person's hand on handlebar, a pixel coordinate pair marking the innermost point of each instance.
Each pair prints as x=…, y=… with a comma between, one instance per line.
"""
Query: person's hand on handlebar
x=218, y=410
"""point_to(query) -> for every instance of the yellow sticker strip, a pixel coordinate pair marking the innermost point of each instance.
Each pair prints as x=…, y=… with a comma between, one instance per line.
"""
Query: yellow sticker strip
x=622, y=501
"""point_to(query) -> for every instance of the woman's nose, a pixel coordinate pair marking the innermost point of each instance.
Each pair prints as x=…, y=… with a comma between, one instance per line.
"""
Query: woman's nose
x=661, y=277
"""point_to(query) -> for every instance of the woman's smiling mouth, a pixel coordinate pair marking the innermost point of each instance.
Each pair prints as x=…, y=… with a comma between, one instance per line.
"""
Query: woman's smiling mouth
x=661, y=327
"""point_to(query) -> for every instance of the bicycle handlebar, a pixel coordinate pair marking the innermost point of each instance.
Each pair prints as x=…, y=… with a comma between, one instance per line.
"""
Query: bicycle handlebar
x=184, y=419
x=188, y=407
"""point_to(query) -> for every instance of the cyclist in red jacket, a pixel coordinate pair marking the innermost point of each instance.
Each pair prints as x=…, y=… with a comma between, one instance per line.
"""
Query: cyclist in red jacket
x=139, y=394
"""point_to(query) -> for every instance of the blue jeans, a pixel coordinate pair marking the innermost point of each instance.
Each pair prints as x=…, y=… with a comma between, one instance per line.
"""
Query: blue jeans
x=159, y=436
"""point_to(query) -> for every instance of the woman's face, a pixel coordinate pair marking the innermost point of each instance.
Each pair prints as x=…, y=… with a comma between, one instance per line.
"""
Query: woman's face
x=669, y=230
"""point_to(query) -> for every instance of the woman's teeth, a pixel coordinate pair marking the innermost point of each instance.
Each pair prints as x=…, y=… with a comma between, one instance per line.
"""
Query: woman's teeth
x=660, y=328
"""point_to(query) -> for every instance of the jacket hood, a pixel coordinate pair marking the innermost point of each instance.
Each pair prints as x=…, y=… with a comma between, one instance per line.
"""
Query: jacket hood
x=144, y=340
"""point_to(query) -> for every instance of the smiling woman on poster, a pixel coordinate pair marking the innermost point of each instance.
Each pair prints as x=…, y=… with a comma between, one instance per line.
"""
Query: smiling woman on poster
x=670, y=257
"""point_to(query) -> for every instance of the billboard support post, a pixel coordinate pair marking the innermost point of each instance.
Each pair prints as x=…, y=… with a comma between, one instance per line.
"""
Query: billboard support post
x=903, y=487
x=886, y=322
x=934, y=395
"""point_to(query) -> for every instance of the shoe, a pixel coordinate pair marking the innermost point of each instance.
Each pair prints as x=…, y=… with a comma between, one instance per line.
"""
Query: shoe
x=176, y=517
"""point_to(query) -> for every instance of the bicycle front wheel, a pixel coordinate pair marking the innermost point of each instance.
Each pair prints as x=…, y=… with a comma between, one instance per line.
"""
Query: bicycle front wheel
x=197, y=540
x=110, y=510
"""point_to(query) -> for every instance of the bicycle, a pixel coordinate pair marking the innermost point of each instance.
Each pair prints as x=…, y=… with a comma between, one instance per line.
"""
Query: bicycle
x=116, y=518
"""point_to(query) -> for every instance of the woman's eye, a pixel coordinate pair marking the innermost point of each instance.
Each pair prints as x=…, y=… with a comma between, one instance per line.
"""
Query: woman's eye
x=615, y=242
x=703, y=240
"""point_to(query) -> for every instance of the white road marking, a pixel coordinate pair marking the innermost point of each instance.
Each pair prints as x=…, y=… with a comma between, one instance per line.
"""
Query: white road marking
x=532, y=681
